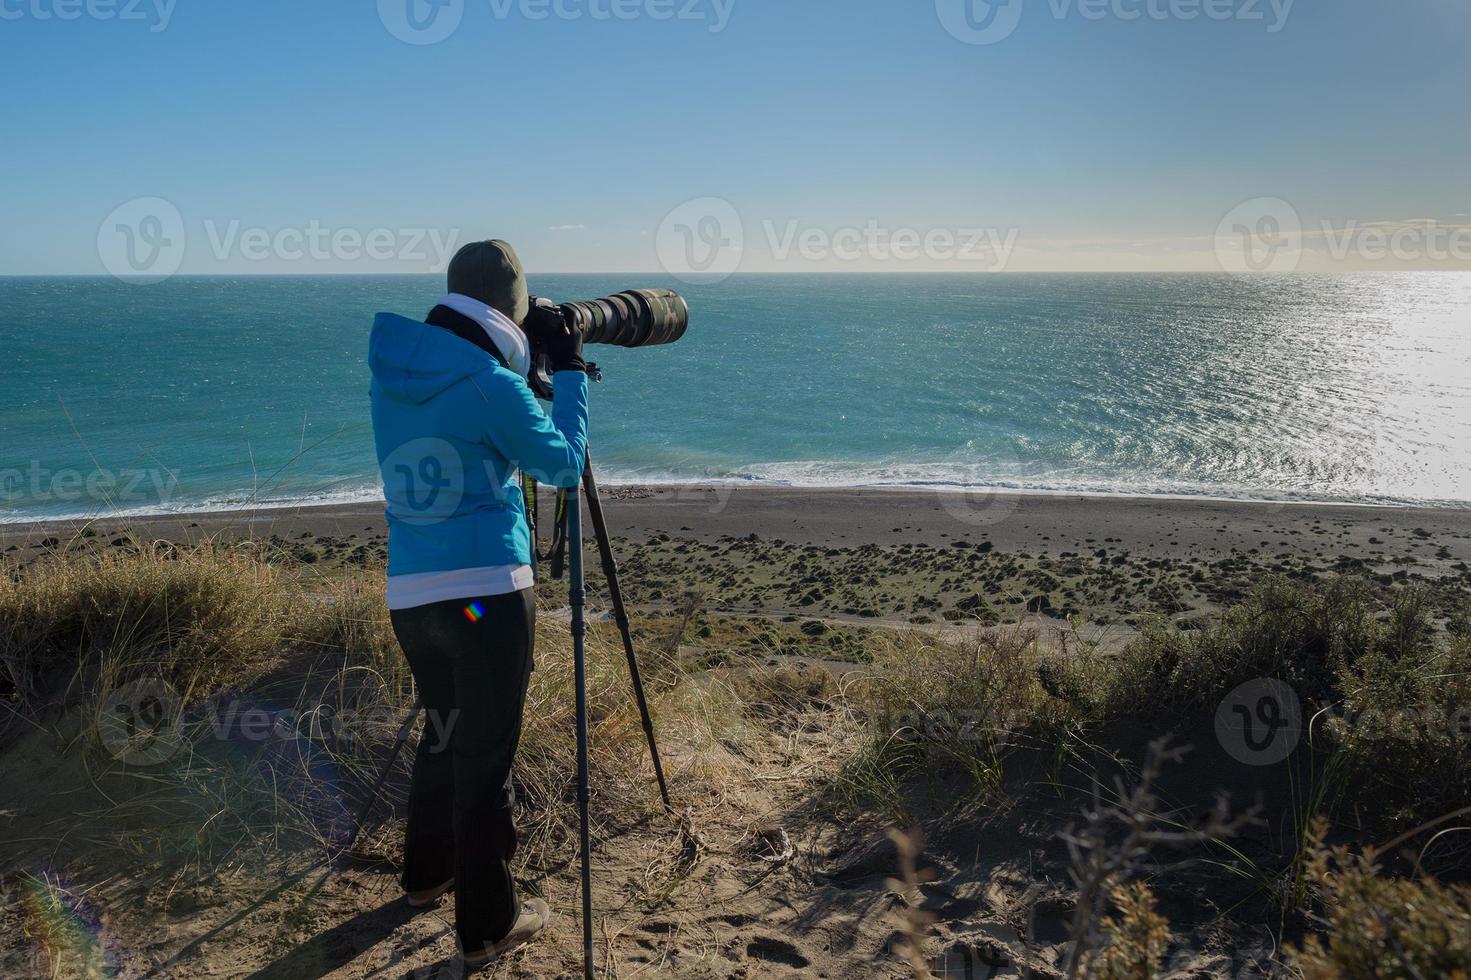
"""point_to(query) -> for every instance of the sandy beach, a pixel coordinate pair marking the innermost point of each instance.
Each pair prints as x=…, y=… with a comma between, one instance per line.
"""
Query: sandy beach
x=1039, y=524
x=904, y=556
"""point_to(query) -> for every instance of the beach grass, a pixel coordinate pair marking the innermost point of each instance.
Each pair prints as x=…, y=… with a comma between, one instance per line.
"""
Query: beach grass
x=928, y=729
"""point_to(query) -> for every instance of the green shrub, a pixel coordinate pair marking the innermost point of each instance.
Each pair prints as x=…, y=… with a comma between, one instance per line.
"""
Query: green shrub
x=1377, y=928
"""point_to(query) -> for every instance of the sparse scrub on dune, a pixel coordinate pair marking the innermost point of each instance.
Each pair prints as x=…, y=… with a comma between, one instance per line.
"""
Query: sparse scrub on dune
x=1371, y=926
x=1403, y=728
x=1378, y=685
x=233, y=631
x=939, y=721
x=946, y=714
x=1385, y=695
x=197, y=618
x=1300, y=634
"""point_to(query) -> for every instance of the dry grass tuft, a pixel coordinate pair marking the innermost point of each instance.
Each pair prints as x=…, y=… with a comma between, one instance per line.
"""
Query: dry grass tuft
x=944, y=714
x=198, y=618
x=233, y=632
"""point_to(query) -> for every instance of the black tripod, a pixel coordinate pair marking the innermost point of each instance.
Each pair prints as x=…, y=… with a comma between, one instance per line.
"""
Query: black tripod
x=569, y=508
x=567, y=546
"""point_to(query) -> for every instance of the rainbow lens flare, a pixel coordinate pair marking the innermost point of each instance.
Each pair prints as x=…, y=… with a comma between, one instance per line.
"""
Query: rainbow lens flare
x=474, y=612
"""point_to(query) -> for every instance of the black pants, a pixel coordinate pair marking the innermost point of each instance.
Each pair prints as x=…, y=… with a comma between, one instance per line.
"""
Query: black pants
x=472, y=677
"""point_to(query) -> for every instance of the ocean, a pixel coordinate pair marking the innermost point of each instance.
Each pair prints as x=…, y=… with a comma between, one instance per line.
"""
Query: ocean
x=242, y=392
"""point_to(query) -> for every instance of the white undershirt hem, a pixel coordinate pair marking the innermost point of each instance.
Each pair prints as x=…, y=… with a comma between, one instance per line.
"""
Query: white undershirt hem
x=427, y=588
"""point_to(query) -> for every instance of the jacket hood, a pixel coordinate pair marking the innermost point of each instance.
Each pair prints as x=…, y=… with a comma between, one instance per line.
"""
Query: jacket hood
x=413, y=361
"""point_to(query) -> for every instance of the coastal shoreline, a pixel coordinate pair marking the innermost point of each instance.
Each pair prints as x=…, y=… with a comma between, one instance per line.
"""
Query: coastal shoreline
x=1039, y=524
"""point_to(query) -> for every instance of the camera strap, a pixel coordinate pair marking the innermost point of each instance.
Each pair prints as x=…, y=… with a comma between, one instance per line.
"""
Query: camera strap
x=533, y=511
x=557, y=552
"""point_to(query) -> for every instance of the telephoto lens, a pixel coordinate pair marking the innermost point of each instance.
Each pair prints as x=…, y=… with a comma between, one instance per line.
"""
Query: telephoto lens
x=633, y=318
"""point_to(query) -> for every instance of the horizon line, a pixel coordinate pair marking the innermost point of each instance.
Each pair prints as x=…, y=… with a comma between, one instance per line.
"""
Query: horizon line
x=717, y=279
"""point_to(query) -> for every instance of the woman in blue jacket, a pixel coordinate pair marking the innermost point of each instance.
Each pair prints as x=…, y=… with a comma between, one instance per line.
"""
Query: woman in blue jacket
x=455, y=424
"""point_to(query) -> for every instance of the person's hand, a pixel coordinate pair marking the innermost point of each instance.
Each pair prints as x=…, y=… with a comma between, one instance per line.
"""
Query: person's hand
x=549, y=330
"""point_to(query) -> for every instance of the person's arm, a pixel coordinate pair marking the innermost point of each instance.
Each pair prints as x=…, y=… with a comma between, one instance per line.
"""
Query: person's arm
x=551, y=450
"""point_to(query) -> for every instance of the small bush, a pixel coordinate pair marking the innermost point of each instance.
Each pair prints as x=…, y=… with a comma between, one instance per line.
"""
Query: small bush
x=1375, y=927
x=1300, y=634
x=1137, y=936
x=1404, y=731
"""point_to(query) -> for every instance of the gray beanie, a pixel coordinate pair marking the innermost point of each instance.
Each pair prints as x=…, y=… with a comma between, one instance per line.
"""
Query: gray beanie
x=491, y=273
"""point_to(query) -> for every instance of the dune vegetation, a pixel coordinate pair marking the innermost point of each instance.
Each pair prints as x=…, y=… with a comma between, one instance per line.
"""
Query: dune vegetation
x=1054, y=808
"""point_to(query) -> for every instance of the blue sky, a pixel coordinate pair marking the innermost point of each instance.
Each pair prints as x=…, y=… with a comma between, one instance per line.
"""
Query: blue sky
x=1097, y=134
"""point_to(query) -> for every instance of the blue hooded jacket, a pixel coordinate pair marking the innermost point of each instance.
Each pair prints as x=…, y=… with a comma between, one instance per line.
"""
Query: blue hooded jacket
x=453, y=427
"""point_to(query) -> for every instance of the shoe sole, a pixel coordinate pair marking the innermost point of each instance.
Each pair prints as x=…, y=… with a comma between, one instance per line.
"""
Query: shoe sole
x=429, y=903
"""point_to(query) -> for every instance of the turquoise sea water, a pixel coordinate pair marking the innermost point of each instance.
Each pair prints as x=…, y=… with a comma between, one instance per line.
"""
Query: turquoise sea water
x=238, y=392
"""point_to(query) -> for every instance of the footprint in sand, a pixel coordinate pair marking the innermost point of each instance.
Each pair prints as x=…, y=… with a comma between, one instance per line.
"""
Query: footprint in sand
x=767, y=949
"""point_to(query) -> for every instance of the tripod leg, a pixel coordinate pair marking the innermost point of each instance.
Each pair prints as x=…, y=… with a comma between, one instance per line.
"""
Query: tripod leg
x=403, y=737
x=579, y=663
x=620, y=616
